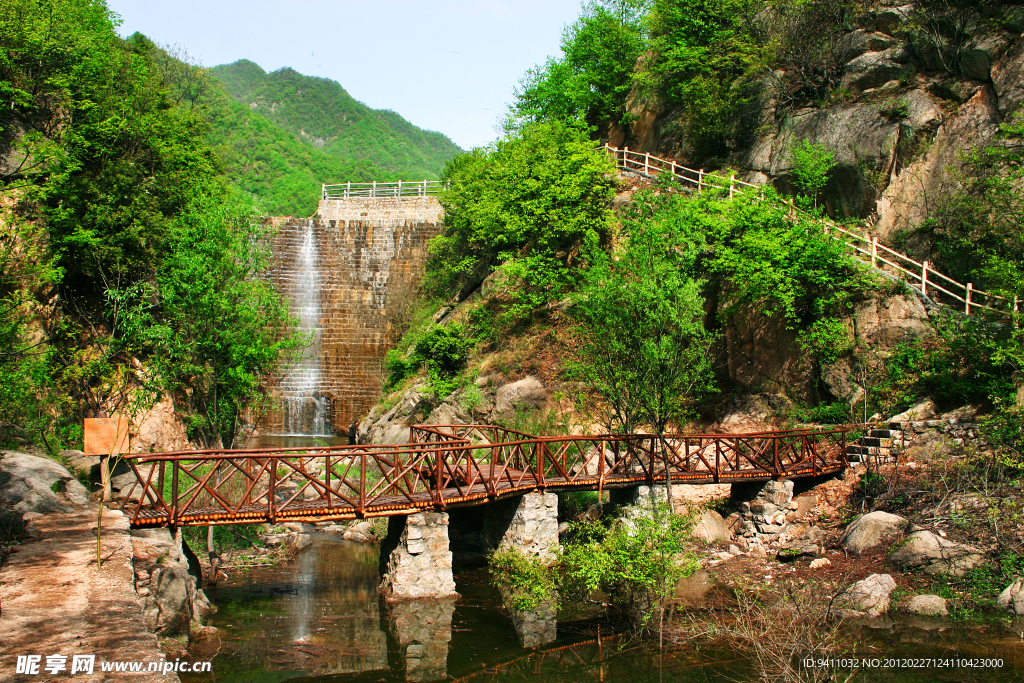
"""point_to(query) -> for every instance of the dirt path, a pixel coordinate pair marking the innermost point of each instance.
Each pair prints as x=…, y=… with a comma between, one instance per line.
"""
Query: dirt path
x=55, y=601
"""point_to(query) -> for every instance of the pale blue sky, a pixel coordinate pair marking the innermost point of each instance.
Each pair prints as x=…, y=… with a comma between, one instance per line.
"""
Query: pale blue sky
x=448, y=66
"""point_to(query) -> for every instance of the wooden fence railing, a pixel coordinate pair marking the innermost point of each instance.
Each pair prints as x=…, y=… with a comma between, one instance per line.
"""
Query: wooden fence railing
x=919, y=274
x=402, y=188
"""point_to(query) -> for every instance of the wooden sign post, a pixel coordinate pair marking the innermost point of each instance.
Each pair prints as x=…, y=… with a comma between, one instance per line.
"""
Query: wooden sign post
x=106, y=436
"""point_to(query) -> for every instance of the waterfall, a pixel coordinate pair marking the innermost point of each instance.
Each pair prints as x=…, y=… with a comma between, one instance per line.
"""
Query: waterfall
x=305, y=410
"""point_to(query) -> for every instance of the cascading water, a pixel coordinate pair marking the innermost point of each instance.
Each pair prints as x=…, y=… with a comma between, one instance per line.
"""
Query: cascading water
x=305, y=410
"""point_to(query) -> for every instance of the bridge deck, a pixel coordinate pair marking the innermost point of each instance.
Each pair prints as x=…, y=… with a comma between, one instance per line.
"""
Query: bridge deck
x=452, y=466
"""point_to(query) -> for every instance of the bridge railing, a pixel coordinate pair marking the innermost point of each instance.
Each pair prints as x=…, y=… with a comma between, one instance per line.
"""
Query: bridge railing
x=918, y=274
x=399, y=189
x=343, y=482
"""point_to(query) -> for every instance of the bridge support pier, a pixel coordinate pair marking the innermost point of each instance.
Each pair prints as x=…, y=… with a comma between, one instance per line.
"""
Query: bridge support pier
x=415, y=559
x=640, y=495
x=527, y=523
x=422, y=630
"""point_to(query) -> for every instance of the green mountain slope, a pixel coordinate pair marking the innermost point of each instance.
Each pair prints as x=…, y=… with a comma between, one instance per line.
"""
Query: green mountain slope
x=273, y=164
x=320, y=113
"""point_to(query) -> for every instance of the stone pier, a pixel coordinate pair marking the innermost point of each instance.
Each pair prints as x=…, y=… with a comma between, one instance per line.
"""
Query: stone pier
x=415, y=559
x=422, y=630
x=528, y=523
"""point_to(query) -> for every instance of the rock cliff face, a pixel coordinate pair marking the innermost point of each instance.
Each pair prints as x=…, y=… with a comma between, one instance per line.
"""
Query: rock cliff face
x=906, y=108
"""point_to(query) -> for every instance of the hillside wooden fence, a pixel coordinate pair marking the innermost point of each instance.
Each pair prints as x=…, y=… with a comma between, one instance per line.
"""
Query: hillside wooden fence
x=918, y=274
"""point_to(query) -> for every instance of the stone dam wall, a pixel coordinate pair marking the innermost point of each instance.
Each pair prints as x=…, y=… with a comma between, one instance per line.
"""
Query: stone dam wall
x=348, y=273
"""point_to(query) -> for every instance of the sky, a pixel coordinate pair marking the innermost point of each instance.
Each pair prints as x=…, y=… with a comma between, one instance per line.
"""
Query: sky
x=444, y=65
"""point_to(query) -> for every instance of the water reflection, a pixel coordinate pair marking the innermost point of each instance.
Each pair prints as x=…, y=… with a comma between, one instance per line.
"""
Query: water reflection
x=321, y=619
x=422, y=630
x=534, y=628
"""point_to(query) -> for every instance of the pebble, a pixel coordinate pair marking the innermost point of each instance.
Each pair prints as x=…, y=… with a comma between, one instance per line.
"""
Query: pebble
x=820, y=562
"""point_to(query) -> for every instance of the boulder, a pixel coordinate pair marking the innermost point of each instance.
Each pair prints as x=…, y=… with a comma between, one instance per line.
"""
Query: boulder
x=171, y=599
x=805, y=544
x=926, y=606
x=1012, y=598
x=30, y=483
x=872, y=530
x=526, y=395
x=936, y=555
x=866, y=598
x=861, y=41
x=711, y=528
x=925, y=410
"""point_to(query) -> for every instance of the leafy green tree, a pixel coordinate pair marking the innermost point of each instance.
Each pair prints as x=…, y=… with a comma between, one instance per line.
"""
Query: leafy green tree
x=531, y=199
x=592, y=79
x=220, y=325
x=636, y=561
x=641, y=311
x=703, y=48
x=644, y=347
x=811, y=165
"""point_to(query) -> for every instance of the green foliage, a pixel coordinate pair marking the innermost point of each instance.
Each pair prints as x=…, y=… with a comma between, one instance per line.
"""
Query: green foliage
x=529, y=581
x=222, y=326
x=283, y=134
x=636, y=561
x=591, y=80
x=150, y=281
x=788, y=267
x=702, y=48
x=530, y=199
x=443, y=349
x=826, y=339
x=961, y=364
x=811, y=164
x=644, y=347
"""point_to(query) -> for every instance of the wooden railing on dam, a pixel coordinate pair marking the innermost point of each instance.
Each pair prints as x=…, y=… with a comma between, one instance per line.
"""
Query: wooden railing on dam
x=449, y=466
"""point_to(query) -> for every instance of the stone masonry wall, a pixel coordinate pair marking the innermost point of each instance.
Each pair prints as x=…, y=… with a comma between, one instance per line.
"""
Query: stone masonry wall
x=371, y=254
x=420, y=566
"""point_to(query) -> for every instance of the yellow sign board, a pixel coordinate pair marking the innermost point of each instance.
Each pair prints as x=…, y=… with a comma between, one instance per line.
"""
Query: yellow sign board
x=106, y=435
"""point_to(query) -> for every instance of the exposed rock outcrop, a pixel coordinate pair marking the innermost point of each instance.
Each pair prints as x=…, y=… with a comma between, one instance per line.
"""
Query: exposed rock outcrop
x=172, y=601
x=711, y=528
x=30, y=483
x=1012, y=598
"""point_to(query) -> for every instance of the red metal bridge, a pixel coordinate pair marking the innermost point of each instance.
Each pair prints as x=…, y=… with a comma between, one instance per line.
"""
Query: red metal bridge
x=446, y=466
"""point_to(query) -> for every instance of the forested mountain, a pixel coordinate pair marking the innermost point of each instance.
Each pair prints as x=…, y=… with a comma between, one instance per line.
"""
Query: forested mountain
x=331, y=123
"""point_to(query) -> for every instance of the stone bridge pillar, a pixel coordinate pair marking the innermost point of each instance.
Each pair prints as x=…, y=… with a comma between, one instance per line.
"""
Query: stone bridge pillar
x=415, y=559
x=528, y=523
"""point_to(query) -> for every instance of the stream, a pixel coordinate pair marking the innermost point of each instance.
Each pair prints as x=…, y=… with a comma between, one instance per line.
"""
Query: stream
x=320, y=618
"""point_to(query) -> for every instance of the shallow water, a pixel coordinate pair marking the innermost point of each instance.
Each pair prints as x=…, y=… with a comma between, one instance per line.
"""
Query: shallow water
x=321, y=619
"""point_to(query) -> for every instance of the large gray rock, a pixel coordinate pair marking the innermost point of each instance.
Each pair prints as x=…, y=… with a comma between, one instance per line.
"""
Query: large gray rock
x=171, y=599
x=711, y=528
x=866, y=598
x=526, y=395
x=872, y=530
x=924, y=410
x=936, y=555
x=1012, y=598
x=28, y=483
x=927, y=606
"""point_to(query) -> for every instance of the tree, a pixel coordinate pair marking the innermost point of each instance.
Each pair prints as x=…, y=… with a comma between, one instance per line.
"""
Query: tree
x=811, y=164
x=527, y=202
x=644, y=347
x=593, y=77
x=221, y=326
